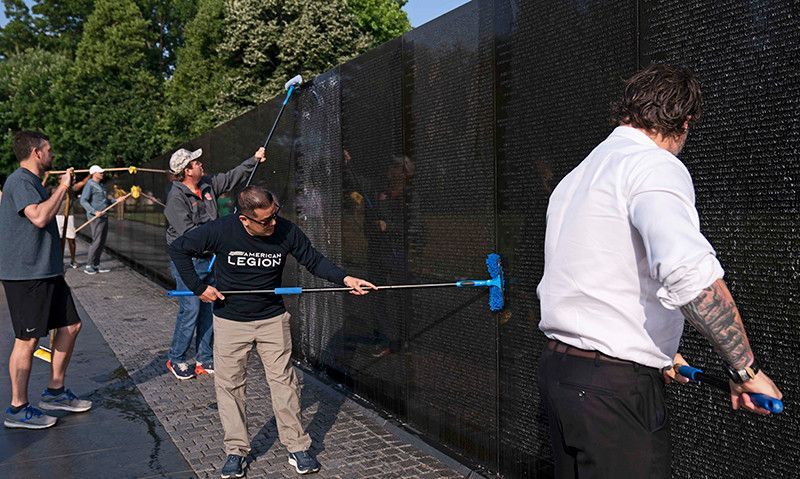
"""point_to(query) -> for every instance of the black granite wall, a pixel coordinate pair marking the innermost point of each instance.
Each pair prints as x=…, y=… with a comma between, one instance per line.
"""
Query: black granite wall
x=414, y=161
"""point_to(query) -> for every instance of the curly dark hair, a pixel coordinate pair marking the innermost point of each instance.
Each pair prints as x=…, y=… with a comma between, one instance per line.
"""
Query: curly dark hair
x=661, y=99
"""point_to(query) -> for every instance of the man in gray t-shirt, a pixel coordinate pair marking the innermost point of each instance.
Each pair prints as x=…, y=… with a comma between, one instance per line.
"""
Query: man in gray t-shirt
x=32, y=272
x=39, y=254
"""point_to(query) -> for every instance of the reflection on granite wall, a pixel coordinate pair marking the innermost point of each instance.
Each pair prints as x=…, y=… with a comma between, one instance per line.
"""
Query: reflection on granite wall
x=414, y=161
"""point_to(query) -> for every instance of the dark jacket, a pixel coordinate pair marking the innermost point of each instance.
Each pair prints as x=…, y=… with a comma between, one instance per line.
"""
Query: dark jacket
x=246, y=262
x=185, y=211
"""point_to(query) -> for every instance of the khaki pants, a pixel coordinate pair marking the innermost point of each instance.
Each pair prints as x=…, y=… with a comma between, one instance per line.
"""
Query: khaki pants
x=273, y=340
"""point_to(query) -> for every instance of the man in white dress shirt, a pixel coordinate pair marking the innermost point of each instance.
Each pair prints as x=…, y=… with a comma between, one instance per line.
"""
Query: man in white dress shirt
x=625, y=265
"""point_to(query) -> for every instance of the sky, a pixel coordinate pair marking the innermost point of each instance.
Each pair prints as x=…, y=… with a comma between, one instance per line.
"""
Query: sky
x=423, y=11
x=419, y=11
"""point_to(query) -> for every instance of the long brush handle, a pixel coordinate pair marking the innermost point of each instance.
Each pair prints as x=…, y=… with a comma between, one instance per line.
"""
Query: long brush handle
x=67, y=207
x=105, y=170
x=266, y=142
x=298, y=290
x=131, y=169
x=153, y=199
x=271, y=132
x=121, y=198
x=769, y=403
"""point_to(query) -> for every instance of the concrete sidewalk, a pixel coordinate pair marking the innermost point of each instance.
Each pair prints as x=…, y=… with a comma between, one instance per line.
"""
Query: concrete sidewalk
x=136, y=320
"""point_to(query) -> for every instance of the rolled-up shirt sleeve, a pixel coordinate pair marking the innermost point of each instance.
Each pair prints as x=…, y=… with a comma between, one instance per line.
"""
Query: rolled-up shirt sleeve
x=662, y=210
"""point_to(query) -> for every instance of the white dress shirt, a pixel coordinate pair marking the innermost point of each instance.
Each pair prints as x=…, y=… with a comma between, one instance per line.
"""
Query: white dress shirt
x=623, y=251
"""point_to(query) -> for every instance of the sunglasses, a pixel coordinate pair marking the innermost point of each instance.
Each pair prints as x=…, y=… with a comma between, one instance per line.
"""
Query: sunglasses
x=266, y=221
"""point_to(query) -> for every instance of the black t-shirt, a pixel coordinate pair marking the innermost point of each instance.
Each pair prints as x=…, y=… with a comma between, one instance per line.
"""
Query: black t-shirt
x=246, y=262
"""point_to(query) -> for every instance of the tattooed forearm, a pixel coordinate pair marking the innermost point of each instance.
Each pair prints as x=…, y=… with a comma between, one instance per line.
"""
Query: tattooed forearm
x=715, y=315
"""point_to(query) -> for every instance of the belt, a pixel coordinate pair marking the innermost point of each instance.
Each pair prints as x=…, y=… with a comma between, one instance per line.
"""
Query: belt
x=559, y=347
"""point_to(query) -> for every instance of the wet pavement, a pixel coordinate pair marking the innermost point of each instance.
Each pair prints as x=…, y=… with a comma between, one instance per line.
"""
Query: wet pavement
x=119, y=437
x=145, y=423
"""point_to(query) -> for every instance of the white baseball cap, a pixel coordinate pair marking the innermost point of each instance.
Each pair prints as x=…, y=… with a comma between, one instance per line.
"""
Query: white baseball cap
x=183, y=157
x=95, y=169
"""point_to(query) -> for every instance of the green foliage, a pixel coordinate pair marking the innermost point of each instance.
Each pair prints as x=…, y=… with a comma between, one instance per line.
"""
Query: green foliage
x=269, y=41
x=239, y=53
x=197, y=80
x=28, y=99
x=19, y=33
x=382, y=19
x=167, y=20
x=59, y=23
x=110, y=98
x=118, y=81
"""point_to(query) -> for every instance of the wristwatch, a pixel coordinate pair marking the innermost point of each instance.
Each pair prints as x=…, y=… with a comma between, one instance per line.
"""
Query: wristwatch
x=741, y=375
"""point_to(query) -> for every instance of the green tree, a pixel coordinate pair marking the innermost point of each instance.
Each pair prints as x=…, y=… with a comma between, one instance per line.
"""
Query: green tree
x=27, y=98
x=110, y=99
x=59, y=23
x=197, y=80
x=19, y=33
x=268, y=41
x=239, y=53
x=167, y=20
x=382, y=19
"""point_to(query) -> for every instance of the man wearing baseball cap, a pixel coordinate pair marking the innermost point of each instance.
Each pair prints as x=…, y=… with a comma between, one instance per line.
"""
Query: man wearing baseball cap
x=94, y=200
x=191, y=202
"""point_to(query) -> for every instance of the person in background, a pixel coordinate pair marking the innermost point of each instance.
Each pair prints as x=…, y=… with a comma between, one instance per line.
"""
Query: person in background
x=224, y=204
x=70, y=236
x=388, y=264
x=94, y=200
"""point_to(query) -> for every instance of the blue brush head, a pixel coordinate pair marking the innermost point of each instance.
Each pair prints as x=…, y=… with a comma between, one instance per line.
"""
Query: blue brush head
x=497, y=283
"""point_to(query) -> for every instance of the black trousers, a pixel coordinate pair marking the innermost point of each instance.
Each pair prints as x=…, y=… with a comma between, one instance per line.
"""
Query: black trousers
x=607, y=420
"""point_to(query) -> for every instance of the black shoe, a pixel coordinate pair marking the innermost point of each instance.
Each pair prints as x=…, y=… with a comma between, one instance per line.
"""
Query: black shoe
x=234, y=466
x=303, y=462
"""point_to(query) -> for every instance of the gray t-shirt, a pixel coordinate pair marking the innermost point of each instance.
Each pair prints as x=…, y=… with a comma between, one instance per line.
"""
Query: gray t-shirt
x=26, y=252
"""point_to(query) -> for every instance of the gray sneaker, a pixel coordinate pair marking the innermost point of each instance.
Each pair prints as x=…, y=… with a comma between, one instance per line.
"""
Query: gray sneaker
x=89, y=269
x=28, y=418
x=102, y=269
x=65, y=401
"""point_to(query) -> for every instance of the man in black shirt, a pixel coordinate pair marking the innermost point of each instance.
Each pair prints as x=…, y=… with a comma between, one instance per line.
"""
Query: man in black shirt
x=251, y=250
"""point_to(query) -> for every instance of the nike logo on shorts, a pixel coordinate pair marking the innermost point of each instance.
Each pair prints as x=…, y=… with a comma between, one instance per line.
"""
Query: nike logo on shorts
x=30, y=330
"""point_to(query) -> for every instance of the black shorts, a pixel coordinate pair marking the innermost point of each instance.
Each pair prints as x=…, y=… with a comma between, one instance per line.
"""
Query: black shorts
x=39, y=305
